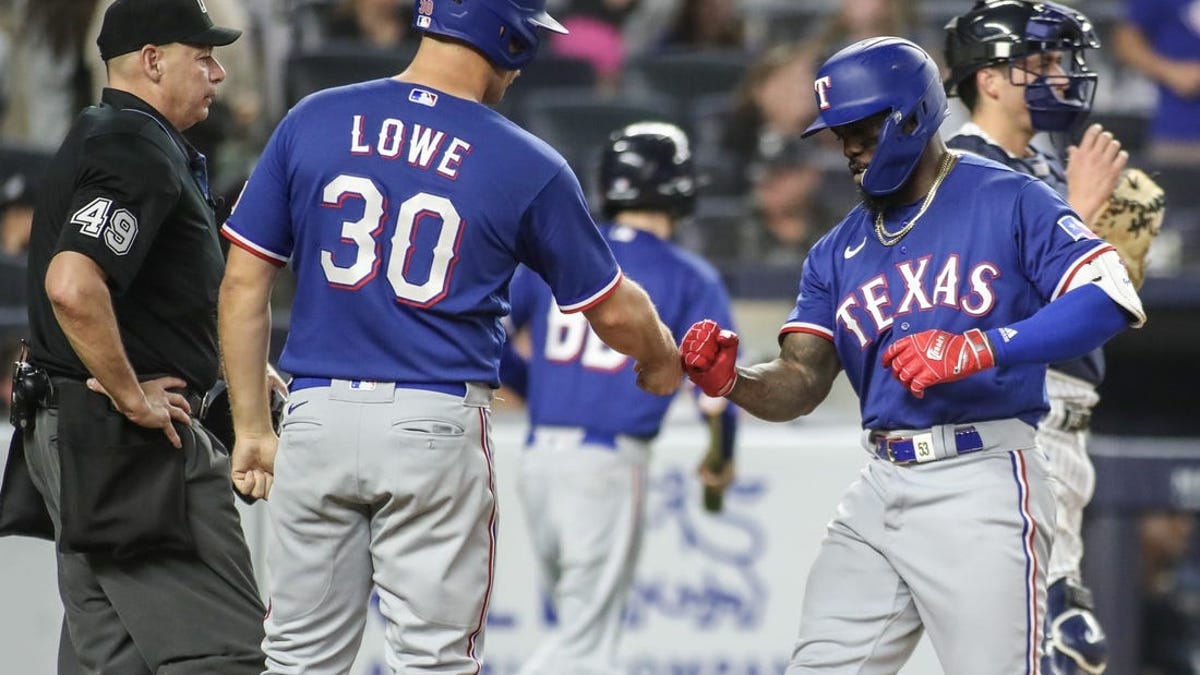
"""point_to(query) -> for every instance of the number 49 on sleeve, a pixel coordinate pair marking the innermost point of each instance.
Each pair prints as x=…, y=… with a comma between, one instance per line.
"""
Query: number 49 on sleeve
x=119, y=231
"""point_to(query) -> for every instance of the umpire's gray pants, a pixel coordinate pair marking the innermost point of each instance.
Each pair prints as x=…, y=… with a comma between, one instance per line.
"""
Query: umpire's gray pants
x=167, y=614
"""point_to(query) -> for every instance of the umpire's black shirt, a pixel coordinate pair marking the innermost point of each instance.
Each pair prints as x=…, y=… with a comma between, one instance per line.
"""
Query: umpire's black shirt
x=122, y=191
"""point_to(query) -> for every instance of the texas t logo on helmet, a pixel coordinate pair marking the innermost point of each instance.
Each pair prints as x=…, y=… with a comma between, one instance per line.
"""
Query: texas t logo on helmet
x=821, y=85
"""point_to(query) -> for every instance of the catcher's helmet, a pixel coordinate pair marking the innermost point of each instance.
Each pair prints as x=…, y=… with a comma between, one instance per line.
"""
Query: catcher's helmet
x=505, y=31
x=884, y=74
x=648, y=166
x=995, y=32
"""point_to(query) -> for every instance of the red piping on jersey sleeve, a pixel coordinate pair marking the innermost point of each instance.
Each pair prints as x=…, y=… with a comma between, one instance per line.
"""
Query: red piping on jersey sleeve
x=596, y=299
x=250, y=248
x=811, y=329
x=1079, y=264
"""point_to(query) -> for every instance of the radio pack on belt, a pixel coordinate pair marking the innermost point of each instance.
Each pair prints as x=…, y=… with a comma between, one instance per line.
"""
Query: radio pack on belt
x=31, y=389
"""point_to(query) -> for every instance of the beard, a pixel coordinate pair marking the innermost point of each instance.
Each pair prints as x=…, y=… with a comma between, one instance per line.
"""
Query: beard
x=877, y=205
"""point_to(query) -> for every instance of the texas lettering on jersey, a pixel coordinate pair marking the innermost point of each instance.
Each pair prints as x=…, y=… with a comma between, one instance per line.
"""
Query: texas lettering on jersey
x=923, y=289
x=992, y=249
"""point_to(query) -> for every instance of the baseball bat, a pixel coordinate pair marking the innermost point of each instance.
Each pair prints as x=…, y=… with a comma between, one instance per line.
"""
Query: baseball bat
x=714, y=497
x=714, y=461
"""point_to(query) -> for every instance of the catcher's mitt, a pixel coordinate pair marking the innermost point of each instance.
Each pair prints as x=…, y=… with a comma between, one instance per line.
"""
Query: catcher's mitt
x=1131, y=220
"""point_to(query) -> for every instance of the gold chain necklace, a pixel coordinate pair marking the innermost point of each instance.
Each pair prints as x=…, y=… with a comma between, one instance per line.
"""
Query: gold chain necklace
x=891, y=238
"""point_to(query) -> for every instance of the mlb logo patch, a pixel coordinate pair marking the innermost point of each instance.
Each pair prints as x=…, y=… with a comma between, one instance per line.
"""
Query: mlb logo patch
x=1075, y=228
x=425, y=98
x=362, y=385
x=423, y=22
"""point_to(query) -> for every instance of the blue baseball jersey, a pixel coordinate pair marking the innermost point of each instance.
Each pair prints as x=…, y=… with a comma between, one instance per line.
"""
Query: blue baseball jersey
x=577, y=380
x=1048, y=168
x=994, y=247
x=404, y=212
x=1172, y=29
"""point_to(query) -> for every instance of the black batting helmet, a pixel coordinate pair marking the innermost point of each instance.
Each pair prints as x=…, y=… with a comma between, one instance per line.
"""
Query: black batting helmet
x=996, y=32
x=648, y=166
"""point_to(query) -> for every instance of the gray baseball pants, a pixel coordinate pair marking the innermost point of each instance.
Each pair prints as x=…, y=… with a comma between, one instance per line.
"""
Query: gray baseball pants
x=383, y=487
x=163, y=614
x=957, y=547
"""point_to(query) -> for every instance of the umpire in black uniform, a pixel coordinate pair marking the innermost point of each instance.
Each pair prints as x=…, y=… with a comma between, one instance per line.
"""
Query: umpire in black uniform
x=124, y=270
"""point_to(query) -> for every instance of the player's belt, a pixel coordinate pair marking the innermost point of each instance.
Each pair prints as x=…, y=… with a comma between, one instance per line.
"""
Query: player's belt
x=452, y=388
x=920, y=448
x=1069, y=417
x=574, y=436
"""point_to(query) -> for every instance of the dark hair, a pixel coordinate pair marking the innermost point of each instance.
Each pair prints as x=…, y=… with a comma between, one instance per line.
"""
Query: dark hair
x=969, y=92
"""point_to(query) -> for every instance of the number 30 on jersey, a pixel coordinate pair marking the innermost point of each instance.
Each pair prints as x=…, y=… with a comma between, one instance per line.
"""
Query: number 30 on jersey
x=362, y=233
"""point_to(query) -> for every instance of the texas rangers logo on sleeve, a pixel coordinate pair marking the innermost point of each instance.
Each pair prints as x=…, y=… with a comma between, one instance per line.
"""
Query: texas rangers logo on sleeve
x=1075, y=228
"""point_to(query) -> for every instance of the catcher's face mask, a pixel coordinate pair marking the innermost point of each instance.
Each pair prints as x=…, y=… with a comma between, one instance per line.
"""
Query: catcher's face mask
x=1059, y=88
x=1025, y=36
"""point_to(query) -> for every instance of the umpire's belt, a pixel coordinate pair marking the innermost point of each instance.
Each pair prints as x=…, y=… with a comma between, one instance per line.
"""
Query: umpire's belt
x=948, y=440
x=51, y=400
x=458, y=389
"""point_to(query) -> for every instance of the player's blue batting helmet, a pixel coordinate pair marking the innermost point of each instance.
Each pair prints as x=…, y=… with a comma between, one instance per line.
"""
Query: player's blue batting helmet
x=997, y=32
x=883, y=75
x=648, y=166
x=505, y=31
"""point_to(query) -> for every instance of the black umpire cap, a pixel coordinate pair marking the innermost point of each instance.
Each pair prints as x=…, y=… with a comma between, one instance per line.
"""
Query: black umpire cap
x=131, y=24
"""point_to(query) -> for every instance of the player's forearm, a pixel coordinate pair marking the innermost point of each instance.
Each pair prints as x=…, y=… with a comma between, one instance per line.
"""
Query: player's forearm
x=626, y=321
x=1132, y=48
x=514, y=369
x=778, y=391
x=1071, y=326
x=244, y=326
x=83, y=307
x=793, y=384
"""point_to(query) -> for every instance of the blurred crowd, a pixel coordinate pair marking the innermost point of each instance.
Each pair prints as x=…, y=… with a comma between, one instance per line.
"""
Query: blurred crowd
x=735, y=73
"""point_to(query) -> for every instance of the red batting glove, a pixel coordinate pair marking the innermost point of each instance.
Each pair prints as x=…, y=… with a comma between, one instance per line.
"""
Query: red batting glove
x=709, y=356
x=935, y=356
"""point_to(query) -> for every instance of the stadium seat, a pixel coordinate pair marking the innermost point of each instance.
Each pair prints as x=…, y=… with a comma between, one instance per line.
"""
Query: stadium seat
x=686, y=76
x=576, y=122
x=722, y=225
x=770, y=23
x=547, y=71
x=335, y=65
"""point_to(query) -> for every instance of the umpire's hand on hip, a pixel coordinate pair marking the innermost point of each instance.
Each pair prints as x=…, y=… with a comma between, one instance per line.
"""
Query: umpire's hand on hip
x=157, y=406
x=252, y=463
x=710, y=357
